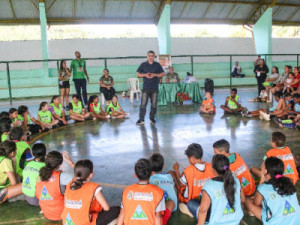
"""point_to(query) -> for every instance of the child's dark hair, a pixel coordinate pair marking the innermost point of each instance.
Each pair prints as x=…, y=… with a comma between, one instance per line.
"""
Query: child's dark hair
x=6, y=119
x=277, y=94
x=7, y=147
x=39, y=151
x=151, y=51
x=283, y=185
x=157, y=161
x=222, y=145
x=106, y=70
x=4, y=114
x=43, y=104
x=54, y=97
x=75, y=96
x=143, y=169
x=297, y=95
x=16, y=133
x=4, y=127
x=221, y=164
x=279, y=139
x=82, y=170
x=287, y=95
x=61, y=67
x=276, y=68
x=22, y=109
x=53, y=160
x=194, y=150
x=12, y=110
x=234, y=89
x=91, y=100
x=114, y=96
x=291, y=73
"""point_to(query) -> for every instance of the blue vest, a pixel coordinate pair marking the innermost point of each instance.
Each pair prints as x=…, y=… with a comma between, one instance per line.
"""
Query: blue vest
x=277, y=209
x=297, y=107
x=274, y=107
x=165, y=181
x=221, y=212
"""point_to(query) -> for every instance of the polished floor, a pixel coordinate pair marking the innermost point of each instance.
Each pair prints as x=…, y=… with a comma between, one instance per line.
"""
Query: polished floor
x=114, y=146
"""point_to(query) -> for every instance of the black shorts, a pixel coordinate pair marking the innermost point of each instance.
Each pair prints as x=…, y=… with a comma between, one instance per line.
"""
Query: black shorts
x=65, y=84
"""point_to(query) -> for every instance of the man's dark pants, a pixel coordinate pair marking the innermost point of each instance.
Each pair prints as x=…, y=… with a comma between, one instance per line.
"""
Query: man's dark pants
x=153, y=96
x=81, y=84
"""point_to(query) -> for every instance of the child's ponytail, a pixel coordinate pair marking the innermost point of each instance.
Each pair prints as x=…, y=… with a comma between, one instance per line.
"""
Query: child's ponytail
x=7, y=147
x=82, y=170
x=53, y=160
x=221, y=164
x=283, y=185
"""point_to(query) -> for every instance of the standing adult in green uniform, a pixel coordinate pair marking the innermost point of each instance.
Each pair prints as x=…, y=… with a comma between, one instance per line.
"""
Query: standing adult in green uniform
x=78, y=66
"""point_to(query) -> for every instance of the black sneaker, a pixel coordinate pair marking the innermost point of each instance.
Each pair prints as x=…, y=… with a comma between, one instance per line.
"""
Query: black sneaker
x=153, y=121
x=140, y=122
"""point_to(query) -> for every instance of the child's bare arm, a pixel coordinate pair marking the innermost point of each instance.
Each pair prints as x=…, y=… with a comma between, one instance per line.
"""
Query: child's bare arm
x=158, y=218
x=121, y=217
x=68, y=159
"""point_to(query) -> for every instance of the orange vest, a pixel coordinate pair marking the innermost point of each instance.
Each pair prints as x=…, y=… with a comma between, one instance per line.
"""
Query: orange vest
x=208, y=103
x=51, y=199
x=80, y=205
x=287, y=157
x=140, y=202
x=242, y=172
x=195, y=181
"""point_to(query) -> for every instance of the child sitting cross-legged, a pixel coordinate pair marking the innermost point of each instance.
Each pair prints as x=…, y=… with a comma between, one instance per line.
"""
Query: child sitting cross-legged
x=193, y=178
x=208, y=104
x=45, y=116
x=115, y=110
x=76, y=110
x=95, y=108
x=142, y=203
x=275, y=201
x=233, y=104
x=164, y=181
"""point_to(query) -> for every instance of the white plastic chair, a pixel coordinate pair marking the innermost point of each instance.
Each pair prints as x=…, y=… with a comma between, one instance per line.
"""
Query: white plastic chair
x=103, y=101
x=134, y=88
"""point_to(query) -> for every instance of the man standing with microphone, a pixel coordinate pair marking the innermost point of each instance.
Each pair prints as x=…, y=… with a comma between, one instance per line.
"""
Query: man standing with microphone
x=151, y=72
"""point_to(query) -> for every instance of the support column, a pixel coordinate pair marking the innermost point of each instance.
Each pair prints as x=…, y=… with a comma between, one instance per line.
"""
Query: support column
x=44, y=37
x=262, y=32
x=163, y=30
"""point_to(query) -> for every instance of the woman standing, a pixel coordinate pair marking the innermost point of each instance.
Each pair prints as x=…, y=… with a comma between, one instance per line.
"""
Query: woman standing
x=261, y=71
x=64, y=84
x=106, y=85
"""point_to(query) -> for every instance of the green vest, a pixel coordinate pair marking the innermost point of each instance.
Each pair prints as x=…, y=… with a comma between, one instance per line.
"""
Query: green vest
x=58, y=111
x=46, y=116
x=111, y=106
x=232, y=104
x=78, y=68
x=7, y=181
x=30, y=175
x=20, y=117
x=96, y=108
x=77, y=109
x=21, y=147
x=4, y=137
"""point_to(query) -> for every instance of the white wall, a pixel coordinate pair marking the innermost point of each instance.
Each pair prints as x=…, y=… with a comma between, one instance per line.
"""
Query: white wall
x=27, y=50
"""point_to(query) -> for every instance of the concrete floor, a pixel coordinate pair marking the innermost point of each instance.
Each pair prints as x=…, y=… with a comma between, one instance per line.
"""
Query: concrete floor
x=116, y=145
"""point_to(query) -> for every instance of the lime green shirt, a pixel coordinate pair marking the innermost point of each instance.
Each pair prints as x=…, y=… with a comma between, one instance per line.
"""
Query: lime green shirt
x=4, y=137
x=78, y=67
x=30, y=175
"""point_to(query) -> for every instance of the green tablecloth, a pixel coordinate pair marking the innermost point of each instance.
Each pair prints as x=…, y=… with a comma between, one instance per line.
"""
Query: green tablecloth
x=167, y=92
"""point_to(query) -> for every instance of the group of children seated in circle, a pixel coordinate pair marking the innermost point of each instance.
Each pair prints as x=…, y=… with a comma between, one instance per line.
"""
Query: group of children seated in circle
x=219, y=192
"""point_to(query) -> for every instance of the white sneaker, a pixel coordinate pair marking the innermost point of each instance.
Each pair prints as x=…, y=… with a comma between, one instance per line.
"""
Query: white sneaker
x=127, y=114
x=265, y=116
x=184, y=209
x=108, y=116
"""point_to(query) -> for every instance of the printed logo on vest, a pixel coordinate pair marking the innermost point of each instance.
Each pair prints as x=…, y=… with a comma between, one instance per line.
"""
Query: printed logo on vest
x=156, y=182
x=45, y=195
x=245, y=182
x=228, y=210
x=288, y=170
x=218, y=194
x=166, y=196
x=139, y=214
x=288, y=209
x=69, y=220
x=27, y=183
x=130, y=195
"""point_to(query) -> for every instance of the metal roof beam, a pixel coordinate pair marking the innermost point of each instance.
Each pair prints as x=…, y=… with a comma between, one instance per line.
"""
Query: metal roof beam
x=230, y=11
x=160, y=10
x=74, y=8
x=293, y=14
x=183, y=8
x=35, y=6
x=207, y=10
x=131, y=8
x=12, y=9
x=50, y=6
x=103, y=8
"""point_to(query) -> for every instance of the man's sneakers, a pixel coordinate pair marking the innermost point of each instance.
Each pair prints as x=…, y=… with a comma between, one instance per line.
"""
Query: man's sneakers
x=264, y=116
x=153, y=122
x=140, y=122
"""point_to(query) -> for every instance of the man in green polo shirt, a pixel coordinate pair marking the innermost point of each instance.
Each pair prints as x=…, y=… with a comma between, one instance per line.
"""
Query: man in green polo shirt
x=78, y=66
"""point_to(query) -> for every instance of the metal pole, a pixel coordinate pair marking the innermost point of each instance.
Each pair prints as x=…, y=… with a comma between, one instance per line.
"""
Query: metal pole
x=297, y=60
x=192, y=65
x=9, y=84
x=230, y=66
x=105, y=63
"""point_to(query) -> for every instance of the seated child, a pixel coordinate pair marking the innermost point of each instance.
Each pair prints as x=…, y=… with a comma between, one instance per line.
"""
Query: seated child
x=164, y=181
x=283, y=152
x=208, y=105
x=237, y=166
x=142, y=203
x=45, y=116
x=31, y=173
x=115, y=110
x=288, y=84
x=8, y=182
x=221, y=196
x=50, y=183
x=289, y=108
x=76, y=110
x=57, y=111
x=233, y=104
x=275, y=201
x=4, y=131
x=13, y=115
x=199, y=172
x=262, y=96
x=84, y=201
x=94, y=107
x=26, y=119
x=23, y=155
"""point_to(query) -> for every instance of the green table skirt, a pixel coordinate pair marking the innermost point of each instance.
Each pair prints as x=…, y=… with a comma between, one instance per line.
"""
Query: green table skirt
x=167, y=92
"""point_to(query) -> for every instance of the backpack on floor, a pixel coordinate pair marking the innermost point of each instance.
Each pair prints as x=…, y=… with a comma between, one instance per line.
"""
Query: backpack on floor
x=209, y=85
